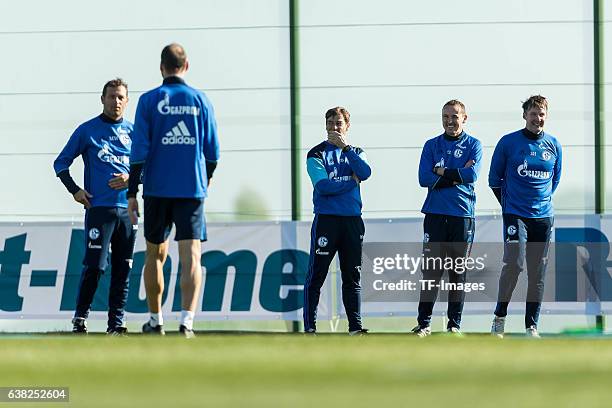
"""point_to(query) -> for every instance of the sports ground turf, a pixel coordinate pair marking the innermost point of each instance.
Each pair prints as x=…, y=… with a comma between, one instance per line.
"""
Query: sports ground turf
x=269, y=370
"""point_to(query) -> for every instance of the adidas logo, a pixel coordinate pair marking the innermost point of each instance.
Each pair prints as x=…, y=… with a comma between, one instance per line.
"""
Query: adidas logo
x=179, y=135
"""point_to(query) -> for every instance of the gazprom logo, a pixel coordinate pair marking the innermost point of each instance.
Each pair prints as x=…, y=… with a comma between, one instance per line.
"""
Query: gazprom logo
x=165, y=108
x=105, y=154
x=523, y=171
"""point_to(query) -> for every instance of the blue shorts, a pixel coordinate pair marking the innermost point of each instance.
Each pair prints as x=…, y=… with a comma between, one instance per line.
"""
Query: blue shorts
x=187, y=215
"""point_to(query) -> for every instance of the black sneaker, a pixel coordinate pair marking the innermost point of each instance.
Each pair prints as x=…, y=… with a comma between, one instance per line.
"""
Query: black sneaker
x=157, y=330
x=79, y=325
x=185, y=332
x=117, y=331
x=360, y=332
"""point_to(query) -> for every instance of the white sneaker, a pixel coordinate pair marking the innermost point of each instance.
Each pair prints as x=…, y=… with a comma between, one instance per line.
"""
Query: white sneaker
x=454, y=331
x=421, y=331
x=497, y=328
x=532, y=332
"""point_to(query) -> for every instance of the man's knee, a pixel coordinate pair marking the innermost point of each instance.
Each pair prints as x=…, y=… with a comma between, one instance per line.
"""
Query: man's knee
x=156, y=252
x=317, y=278
x=121, y=268
x=351, y=281
x=512, y=266
x=92, y=272
x=190, y=252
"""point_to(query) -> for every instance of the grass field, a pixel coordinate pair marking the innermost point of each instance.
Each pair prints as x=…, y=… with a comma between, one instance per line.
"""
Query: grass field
x=269, y=370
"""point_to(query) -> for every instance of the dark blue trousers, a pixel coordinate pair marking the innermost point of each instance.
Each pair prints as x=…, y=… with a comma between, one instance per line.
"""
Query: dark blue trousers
x=331, y=234
x=524, y=239
x=444, y=236
x=107, y=228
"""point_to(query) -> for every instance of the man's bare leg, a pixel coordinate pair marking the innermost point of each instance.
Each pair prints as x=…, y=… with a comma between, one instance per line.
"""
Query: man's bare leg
x=154, y=279
x=190, y=253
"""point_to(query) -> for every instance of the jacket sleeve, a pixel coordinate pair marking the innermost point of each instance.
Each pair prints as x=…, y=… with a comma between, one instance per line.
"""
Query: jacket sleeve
x=427, y=178
x=467, y=175
x=557, y=169
x=73, y=148
x=359, y=164
x=470, y=174
x=211, y=140
x=320, y=181
x=141, y=135
x=498, y=166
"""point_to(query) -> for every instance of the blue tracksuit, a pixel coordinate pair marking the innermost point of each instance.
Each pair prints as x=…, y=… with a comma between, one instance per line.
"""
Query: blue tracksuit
x=175, y=133
x=105, y=147
x=443, y=197
x=527, y=169
x=330, y=170
x=448, y=226
x=337, y=227
x=528, y=172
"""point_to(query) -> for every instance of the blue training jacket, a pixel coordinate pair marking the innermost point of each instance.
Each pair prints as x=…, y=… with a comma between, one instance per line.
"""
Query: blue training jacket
x=105, y=148
x=175, y=133
x=451, y=194
x=528, y=172
x=330, y=170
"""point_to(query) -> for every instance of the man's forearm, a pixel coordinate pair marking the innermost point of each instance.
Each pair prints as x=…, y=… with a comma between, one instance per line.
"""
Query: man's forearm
x=443, y=183
x=210, y=168
x=453, y=175
x=134, y=181
x=68, y=181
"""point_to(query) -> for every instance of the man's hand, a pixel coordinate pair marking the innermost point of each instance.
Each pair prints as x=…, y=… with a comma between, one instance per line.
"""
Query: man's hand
x=470, y=163
x=83, y=197
x=133, y=210
x=439, y=171
x=119, y=182
x=337, y=139
x=356, y=178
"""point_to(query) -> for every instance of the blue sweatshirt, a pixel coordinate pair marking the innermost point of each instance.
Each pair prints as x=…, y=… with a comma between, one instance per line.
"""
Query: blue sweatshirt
x=330, y=170
x=527, y=168
x=175, y=133
x=451, y=194
x=105, y=147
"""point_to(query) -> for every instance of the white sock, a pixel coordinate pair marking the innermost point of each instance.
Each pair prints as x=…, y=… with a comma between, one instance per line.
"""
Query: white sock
x=187, y=319
x=156, y=319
